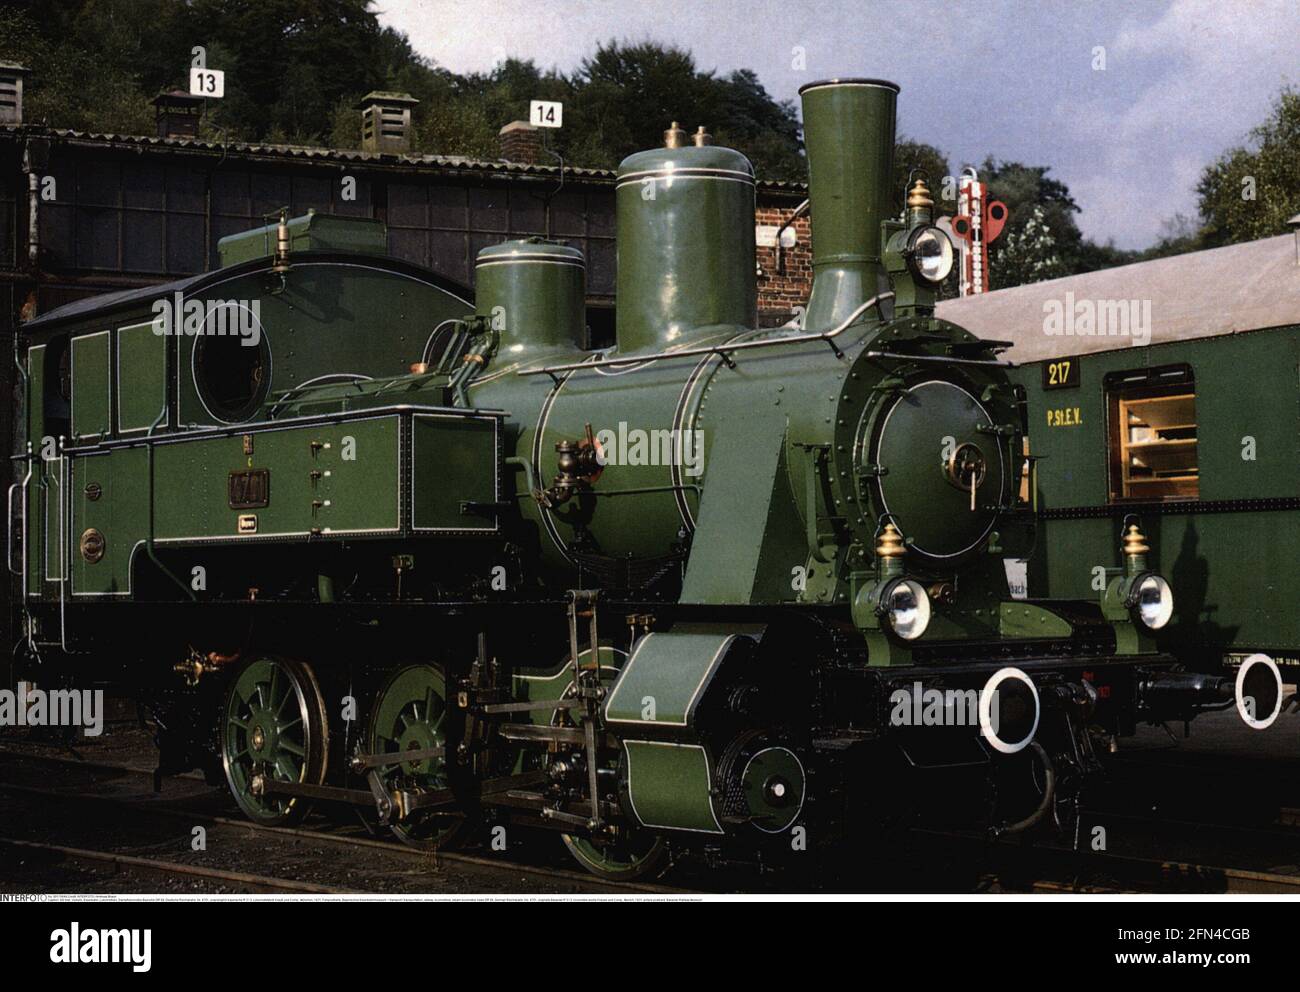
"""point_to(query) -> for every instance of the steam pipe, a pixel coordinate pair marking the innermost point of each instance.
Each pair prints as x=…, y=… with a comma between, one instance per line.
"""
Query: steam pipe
x=1044, y=804
x=799, y=211
x=33, y=209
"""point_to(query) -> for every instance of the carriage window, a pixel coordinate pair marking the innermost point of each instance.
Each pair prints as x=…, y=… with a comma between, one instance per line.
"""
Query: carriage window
x=1153, y=435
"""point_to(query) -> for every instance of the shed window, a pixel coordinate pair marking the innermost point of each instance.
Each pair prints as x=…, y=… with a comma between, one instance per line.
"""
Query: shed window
x=1152, y=438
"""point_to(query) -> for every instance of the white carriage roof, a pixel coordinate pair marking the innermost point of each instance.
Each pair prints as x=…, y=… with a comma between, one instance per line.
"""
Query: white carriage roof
x=1243, y=287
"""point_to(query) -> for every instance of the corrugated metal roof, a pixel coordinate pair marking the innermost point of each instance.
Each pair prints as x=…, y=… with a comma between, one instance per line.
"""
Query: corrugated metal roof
x=313, y=153
x=1242, y=287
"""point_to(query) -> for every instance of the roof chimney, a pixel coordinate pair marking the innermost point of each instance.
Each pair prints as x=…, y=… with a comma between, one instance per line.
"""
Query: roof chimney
x=12, y=76
x=178, y=114
x=386, y=122
x=521, y=142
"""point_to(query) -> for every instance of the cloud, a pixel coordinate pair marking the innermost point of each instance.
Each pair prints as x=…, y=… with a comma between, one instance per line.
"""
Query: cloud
x=1184, y=79
x=1182, y=89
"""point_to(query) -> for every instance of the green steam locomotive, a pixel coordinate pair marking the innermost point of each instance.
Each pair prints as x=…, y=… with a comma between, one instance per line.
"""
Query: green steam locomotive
x=357, y=540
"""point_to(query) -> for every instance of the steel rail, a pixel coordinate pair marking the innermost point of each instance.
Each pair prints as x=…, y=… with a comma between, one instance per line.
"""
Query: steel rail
x=1044, y=867
x=394, y=847
x=131, y=861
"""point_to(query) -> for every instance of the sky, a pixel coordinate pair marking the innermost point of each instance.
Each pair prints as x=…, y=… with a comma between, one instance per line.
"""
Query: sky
x=1126, y=101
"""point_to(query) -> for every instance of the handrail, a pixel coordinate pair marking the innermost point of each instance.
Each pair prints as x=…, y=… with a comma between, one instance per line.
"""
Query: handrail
x=257, y=426
x=12, y=489
x=722, y=349
x=947, y=359
x=23, y=486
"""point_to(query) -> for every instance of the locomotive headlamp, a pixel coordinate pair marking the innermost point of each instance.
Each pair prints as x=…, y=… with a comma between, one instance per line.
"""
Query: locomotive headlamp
x=1151, y=600
x=1144, y=594
x=906, y=607
x=929, y=254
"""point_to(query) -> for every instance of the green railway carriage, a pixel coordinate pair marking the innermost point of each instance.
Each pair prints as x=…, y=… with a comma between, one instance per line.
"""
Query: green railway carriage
x=1164, y=392
x=356, y=539
x=1199, y=440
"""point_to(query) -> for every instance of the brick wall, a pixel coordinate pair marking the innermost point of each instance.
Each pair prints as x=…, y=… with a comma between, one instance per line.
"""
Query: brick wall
x=779, y=292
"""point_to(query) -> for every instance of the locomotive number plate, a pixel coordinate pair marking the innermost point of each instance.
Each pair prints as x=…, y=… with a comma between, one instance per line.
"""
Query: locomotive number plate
x=1061, y=374
x=250, y=489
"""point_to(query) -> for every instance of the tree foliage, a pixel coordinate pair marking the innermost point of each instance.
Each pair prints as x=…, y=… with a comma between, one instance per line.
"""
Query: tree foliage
x=1251, y=192
x=1029, y=251
x=295, y=70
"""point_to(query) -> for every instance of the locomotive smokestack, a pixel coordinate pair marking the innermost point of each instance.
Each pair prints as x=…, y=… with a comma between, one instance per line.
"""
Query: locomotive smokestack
x=849, y=136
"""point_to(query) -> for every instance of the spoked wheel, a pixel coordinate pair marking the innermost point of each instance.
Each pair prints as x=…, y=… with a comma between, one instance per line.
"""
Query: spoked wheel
x=274, y=728
x=634, y=852
x=410, y=713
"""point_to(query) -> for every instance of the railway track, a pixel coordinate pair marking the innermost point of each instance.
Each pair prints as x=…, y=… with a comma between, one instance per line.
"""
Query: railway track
x=1049, y=869
x=153, y=867
x=1037, y=868
x=536, y=877
x=1180, y=876
x=1148, y=853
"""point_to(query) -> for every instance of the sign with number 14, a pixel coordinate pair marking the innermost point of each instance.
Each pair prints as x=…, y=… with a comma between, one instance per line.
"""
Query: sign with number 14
x=545, y=113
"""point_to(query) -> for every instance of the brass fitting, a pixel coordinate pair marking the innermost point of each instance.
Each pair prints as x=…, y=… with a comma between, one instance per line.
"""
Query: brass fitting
x=1135, y=543
x=578, y=468
x=197, y=665
x=1135, y=550
x=701, y=137
x=942, y=592
x=281, y=263
x=674, y=137
x=890, y=543
x=918, y=197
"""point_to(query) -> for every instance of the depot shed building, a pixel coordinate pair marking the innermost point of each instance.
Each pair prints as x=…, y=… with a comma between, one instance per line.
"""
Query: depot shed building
x=114, y=211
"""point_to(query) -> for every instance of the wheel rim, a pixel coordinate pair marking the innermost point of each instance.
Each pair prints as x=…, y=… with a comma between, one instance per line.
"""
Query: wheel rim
x=274, y=728
x=633, y=852
x=410, y=713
